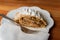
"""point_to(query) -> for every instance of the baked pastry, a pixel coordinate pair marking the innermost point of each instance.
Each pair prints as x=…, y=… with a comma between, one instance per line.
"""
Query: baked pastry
x=30, y=18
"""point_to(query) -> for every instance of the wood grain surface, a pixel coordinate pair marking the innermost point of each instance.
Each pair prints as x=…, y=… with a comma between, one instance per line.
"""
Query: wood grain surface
x=53, y=6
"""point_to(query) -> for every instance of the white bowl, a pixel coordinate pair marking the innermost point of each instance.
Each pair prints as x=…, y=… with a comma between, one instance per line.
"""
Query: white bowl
x=45, y=14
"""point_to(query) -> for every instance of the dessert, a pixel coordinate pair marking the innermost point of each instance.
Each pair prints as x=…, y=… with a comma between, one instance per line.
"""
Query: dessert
x=30, y=18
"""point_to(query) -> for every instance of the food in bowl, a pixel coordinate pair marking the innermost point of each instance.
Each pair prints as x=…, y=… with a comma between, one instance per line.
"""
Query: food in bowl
x=30, y=18
x=31, y=21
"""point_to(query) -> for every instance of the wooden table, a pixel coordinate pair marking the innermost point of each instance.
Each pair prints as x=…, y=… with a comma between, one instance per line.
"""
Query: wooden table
x=53, y=6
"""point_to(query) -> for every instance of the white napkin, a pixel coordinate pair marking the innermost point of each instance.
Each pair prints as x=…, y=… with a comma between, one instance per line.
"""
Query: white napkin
x=10, y=31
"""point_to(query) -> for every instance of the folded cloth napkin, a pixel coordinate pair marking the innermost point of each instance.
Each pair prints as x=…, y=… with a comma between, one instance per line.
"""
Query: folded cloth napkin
x=10, y=31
